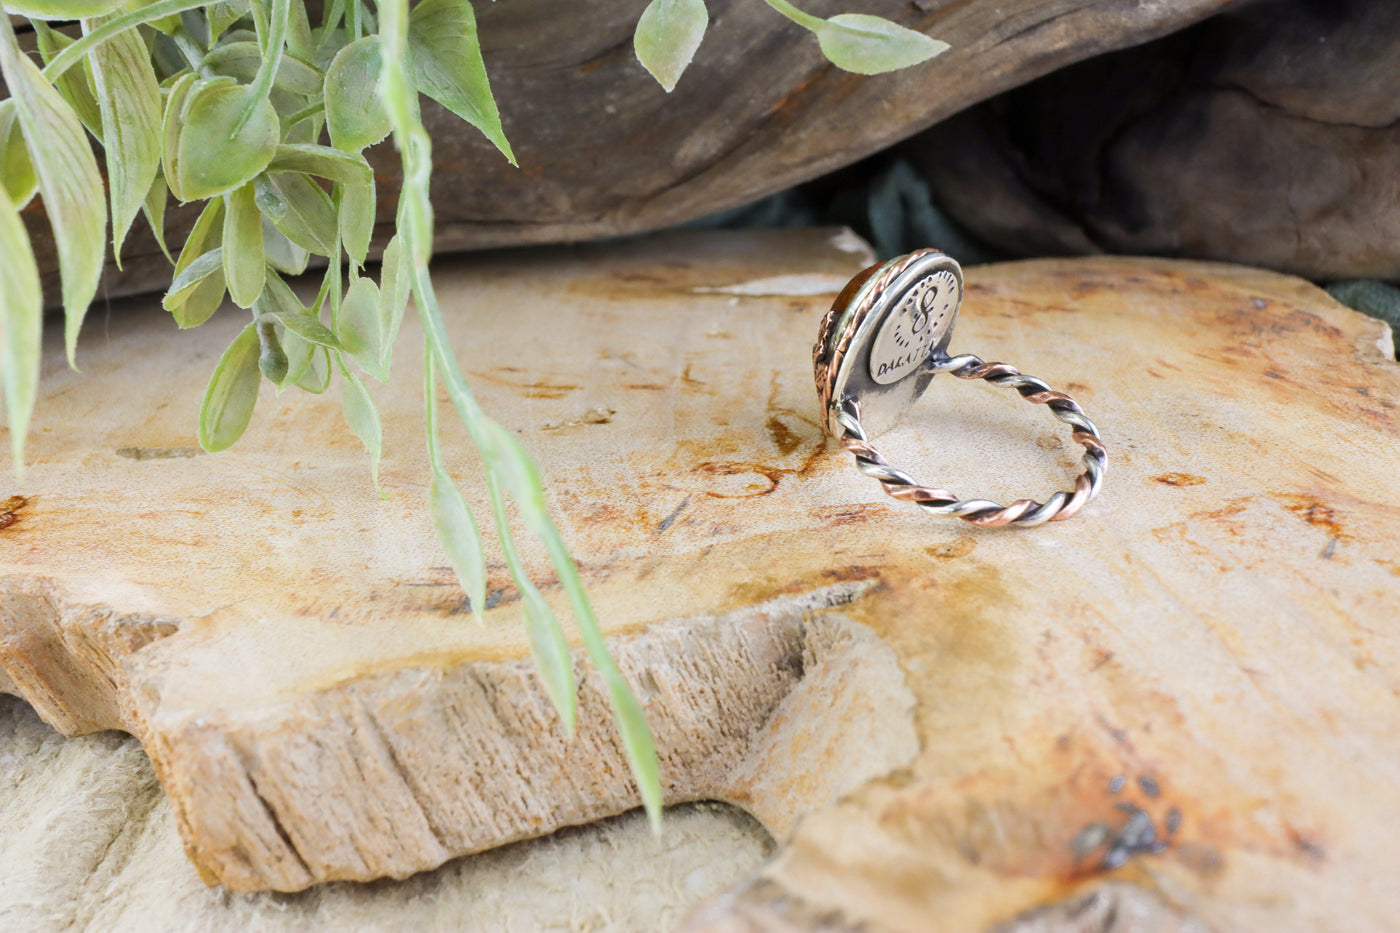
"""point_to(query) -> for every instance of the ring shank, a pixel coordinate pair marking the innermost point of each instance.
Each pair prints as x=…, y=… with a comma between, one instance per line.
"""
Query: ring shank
x=1023, y=513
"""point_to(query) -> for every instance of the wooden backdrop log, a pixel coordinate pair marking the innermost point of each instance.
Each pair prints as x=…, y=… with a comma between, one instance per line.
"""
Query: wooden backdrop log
x=604, y=151
x=1269, y=136
x=933, y=717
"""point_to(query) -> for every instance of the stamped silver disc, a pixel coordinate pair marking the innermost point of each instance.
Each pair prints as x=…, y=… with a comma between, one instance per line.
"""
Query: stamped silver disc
x=910, y=331
x=882, y=336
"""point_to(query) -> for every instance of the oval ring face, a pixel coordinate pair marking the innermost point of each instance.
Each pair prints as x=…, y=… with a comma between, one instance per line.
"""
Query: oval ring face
x=908, y=334
x=884, y=330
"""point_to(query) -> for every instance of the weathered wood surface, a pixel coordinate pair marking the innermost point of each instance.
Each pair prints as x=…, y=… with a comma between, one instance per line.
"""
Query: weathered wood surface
x=926, y=714
x=604, y=151
x=89, y=843
x=1269, y=135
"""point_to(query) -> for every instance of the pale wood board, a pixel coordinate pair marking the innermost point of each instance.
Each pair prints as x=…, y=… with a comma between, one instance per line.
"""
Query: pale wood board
x=927, y=713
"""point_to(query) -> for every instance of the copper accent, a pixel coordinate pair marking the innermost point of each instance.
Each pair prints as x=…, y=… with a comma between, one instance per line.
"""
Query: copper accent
x=1025, y=512
x=851, y=310
x=824, y=353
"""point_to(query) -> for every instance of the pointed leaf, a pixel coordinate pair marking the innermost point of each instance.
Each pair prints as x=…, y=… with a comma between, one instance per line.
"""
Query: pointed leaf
x=206, y=234
x=308, y=328
x=224, y=14
x=323, y=162
x=870, y=45
x=245, y=264
x=128, y=98
x=299, y=208
x=317, y=376
x=395, y=285
x=667, y=36
x=357, y=213
x=21, y=320
x=17, y=176
x=460, y=538
x=68, y=179
x=74, y=86
x=363, y=418
x=355, y=115
x=445, y=60
x=217, y=155
x=551, y=651
x=154, y=209
x=232, y=393
x=360, y=328
x=172, y=123
x=197, y=290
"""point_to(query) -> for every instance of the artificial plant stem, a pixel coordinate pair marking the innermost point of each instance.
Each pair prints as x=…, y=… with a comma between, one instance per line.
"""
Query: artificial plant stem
x=271, y=61
x=75, y=52
x=805, y=20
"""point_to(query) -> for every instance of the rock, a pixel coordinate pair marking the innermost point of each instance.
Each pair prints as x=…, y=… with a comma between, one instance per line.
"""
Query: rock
x=604, y=151
x=1269, y=135
x=926, y=715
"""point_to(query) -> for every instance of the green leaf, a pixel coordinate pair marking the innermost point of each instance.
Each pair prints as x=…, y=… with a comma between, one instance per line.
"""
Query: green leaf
x=308, y=328
x=224, y=14
x=232, y=393
x=551, y=650
x=355, y=115
x=363, y=418
x=74, y=87
x=445, y=59
x=460, y=538
x=214, y=154
x=299, y=208
x=395, y=285
x=870, y=45
x=637, y=741
x=317, y=376
x=61, y=9
x=17, y=177
x=197, y=291
x=154, y=209
x=245, y=263
x=194, y=273
x=278, y=298
x=68, y=180
x=206, y=234
x=242, y=60
x=667, y=36
x=548, y=644
x=282, y=254
x=323, y=162
x=128, y=98
x=357, y=213
x=361, y=329
x=173, y=123
x=21, y=322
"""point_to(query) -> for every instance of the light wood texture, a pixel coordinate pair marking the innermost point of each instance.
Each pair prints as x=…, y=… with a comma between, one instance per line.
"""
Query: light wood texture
x=89, y=843
x=927, y=714
x=603, y=150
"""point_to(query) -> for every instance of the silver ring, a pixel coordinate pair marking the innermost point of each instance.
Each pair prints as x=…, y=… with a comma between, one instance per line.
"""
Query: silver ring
x=881, y=344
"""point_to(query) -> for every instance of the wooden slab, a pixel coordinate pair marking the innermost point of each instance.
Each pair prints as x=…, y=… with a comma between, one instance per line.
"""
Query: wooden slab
x=930, y=715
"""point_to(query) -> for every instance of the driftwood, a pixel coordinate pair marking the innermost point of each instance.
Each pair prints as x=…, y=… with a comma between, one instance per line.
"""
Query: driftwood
x=1269, y=135
x=604, y=151
x=1188, y=690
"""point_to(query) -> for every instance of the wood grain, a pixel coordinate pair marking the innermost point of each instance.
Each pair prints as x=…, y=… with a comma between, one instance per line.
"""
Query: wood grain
x=603, y=150
x=930, y=716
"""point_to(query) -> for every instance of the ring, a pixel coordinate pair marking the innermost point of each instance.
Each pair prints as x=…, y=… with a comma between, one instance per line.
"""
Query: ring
x=881, y=344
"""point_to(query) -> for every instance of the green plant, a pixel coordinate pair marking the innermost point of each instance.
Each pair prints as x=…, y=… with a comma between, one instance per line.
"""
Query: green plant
x=250, y=109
